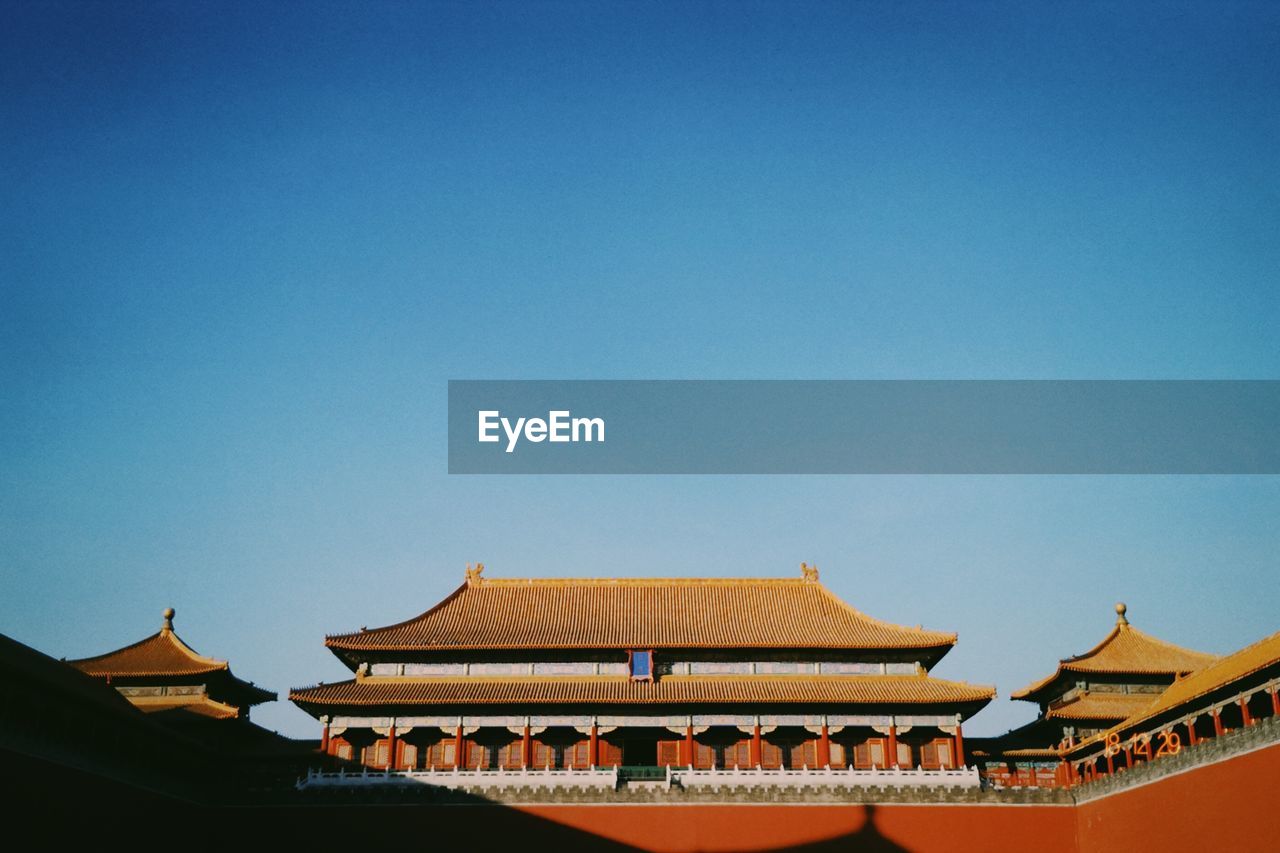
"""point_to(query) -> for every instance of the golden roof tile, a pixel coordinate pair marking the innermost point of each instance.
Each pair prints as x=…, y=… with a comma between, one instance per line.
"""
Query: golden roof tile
x=1221, y=673
x=641, y=613
x=850, y=689
x=1030, y=752
x=202, y=706
x=1100, y=706
x=1125, y=651
x=163, y=653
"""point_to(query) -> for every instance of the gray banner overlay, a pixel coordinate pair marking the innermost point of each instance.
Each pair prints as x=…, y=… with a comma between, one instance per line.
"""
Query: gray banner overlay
x=866, y=427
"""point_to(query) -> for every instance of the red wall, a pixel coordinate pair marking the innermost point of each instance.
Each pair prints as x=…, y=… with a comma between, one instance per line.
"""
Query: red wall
x=1231, y=806
x=921, y=829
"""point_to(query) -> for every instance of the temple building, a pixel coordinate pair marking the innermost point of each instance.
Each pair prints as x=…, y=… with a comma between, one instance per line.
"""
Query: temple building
x=1086, y=694
x=163, y=675
x=1229, y=696
x=698, y=673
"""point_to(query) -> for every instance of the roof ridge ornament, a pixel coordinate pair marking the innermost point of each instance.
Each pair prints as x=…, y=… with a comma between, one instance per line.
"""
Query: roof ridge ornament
x=809, y=573
x=168, y=615
x=1121, y=609
x=473, y=574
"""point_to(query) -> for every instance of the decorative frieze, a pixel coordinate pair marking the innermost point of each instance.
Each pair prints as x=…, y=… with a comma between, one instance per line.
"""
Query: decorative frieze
x=589, y=668
x=165, y=690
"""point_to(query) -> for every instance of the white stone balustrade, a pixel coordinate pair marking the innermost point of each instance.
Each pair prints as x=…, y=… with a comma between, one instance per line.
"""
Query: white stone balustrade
x=607, y=778
x=966, y=777
x=581, y=779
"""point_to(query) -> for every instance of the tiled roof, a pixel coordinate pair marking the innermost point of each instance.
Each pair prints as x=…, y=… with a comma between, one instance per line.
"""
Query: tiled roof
x=641, y=613
x=1219, y=674
x=162, y=653
x=165, y=655
x=1031, y=752
x=200, y=705
x=1126, y=651
x=1101, y=706
x=852, y=689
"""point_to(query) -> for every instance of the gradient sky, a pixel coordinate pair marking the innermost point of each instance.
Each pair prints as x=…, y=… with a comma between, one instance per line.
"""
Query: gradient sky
x=244, y=246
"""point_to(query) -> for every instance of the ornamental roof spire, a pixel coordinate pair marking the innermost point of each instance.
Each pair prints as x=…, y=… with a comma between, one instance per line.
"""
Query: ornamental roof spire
x=1126, y=650
x=168, y=619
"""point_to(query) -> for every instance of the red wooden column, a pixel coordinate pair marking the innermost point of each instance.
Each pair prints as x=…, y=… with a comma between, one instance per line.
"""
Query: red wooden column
x=1217, y=723
x=1191, y=733
x=756, y=755
x=1111, y=765
x=593, y=748
x=1275, y=703
x=1244, y=711
x=688, y=746
x=892, y=758
x=824, y=747
x=459, y=749
x=324, y=737
x=959, y=757
x=391, y=746
x=526, y=748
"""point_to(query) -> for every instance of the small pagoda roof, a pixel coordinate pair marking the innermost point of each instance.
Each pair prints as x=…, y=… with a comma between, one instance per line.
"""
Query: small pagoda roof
x=165, y=655
x=672, y=690
x=1124, y=651
x=201, y=706
x=651, y=613
x=1100, y=706
x=1045, y=752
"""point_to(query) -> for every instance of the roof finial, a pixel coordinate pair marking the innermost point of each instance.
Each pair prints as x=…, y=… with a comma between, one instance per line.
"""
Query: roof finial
x=809, y=573
x=473, y=574
x=1120, y=611
x=168, y=619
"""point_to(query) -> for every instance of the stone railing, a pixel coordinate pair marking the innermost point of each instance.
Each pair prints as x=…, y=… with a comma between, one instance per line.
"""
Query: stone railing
x=966, y=777
x=482, y=780
x=1261, y=735
x=674, y=777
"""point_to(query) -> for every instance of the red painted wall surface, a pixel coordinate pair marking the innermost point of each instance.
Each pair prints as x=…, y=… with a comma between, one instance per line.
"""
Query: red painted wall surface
x=1232, y=806
x=920, y=829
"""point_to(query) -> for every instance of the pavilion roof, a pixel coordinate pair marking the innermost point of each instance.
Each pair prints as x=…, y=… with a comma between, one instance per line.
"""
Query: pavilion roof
x=202, y=706
x=1100, y=706
x=1125, y=651
x=1031, y=752
x=657, y=613
x=615, y=690
x=165, y=655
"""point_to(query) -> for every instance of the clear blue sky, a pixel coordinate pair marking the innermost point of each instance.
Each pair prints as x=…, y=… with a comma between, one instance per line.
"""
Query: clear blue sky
x=244, y=246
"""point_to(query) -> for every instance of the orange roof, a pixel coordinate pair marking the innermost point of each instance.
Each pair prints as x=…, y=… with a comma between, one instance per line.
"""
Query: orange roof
x=1101, y=706
x=165, y=655
x=853, y=689
x=1128, y=651
x=1030, y=752
x=200, y=705
x=1221, y=673
x=641, y=613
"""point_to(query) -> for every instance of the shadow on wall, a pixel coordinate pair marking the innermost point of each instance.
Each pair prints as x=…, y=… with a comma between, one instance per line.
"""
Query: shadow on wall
x=867, y=838
x=71, y=807
x=475, y=824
